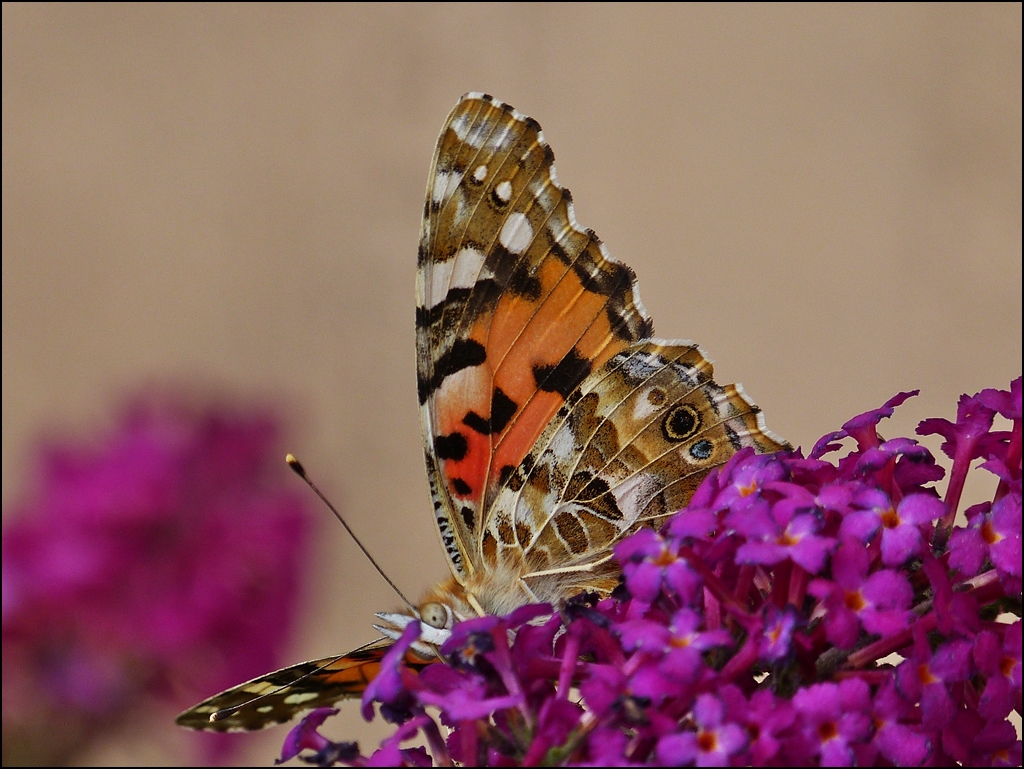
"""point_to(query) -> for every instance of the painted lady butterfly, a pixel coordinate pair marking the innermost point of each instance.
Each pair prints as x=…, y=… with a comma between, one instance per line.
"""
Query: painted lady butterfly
x=554, y=423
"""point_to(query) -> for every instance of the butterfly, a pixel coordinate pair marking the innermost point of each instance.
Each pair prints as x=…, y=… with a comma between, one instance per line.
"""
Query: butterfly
x=554, y=423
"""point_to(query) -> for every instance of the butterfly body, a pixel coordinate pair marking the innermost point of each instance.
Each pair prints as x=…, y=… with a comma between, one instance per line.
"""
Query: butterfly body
x=554, y=423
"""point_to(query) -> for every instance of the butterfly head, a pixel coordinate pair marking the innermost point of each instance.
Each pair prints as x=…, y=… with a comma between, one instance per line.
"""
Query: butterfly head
x=438, y=612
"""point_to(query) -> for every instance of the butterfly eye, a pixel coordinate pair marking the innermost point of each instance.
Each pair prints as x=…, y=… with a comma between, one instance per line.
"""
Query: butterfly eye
x=681, y=422
x=436, y=615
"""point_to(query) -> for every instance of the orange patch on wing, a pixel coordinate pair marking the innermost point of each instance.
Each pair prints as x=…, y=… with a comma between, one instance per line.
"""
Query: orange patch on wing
x=520, y=336
x=465, y=391
x=471, y=469
x=551, y=332
x=355, y=671
x=355, y=676
x=513, y=312
x=520, y=437
x=599, y=344
x=570, y=316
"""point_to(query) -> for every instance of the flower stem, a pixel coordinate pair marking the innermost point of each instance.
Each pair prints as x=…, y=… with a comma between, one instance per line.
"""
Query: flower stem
x=718, y=588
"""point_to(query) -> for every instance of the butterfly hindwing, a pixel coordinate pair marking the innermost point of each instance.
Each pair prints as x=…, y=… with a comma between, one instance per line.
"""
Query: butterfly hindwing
x=627, y=449
x=279, y=696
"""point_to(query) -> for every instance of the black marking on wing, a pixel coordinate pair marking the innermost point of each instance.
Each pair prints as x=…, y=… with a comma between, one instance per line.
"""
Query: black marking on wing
x=681, y=422
x=503, y=409
x=464, y=353
x=522, y=283
x=453, y=446
x=428, y=316
x=565, y=376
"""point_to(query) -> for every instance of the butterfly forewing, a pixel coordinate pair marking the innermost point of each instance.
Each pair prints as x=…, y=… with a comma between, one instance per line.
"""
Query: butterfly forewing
x=518, y=304
x=279, y=696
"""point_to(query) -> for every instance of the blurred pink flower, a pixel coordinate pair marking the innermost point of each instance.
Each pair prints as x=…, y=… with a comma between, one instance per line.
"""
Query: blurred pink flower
x=163, y=560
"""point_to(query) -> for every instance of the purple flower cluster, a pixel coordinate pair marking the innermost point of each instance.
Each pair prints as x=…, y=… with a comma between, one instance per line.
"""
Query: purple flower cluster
x=757, y=627
x=163, y=560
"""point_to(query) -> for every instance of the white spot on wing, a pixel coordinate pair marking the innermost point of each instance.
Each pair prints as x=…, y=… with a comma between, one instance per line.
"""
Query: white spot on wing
x=720, y=397
x=300, y=697
x=562, y=445
x=461, y=126
x=480, y=173
x=476, y=136
x=504, y=191
x=632, y=495
x=643, y=407
x=445, y=185
x=469, y=264
x=460, y=272
x=469, y=385
x=642, y=366
x=527, y=513
x=440, y=275
x=516, y=234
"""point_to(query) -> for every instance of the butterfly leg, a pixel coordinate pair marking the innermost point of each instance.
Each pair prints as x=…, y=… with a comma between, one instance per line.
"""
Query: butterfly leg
x=528, y=591
x=471, y=599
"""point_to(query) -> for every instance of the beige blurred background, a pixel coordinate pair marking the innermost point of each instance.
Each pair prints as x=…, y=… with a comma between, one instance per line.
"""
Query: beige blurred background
x=828, y=199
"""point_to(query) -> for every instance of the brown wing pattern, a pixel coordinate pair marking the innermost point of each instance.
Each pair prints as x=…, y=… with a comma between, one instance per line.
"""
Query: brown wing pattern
x=517, y=305
x=627, y=449
x=279, y=696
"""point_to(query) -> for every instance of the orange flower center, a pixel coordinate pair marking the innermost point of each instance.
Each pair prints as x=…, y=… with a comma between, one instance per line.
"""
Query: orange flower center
x=665, y=558
x=889, y=519
x=786, y=539
x=708, y=741
x=854, y=600
x=990, y=535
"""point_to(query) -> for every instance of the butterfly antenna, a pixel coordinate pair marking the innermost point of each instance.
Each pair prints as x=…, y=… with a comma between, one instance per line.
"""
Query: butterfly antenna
x=295, y=465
